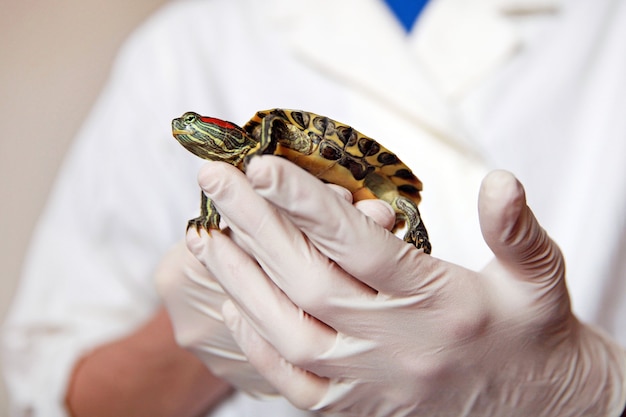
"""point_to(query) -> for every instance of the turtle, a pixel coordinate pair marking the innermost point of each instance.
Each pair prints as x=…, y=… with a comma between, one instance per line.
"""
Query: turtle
x=332, y=151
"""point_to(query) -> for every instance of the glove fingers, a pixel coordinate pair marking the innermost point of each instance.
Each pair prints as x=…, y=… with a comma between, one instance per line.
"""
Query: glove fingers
x=341, y=191
x=298, y=268
x=337, y=229
x=167, y=277
x=512, y=231
x=301, y=388
x=379, y=211
x=298, y=336
x=190, y=294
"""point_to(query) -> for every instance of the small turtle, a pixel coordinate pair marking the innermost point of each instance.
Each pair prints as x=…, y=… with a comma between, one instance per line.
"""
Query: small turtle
x=331, y=151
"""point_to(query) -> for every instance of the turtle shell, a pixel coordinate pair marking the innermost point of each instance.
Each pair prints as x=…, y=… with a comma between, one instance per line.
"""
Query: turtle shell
x=335, y=153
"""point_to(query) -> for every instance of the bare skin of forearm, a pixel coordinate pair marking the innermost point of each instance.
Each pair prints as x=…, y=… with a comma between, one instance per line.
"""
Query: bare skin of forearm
x=144, y=374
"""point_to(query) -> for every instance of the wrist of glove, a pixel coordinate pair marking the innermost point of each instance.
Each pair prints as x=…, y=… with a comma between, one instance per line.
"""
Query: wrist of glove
x=340, y=316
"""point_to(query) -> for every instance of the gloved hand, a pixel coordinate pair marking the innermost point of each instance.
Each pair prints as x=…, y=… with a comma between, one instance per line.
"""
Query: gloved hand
x=341, y=316
x=194, y=301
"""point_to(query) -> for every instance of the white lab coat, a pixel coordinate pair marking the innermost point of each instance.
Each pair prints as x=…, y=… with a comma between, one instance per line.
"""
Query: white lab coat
x=534, y=86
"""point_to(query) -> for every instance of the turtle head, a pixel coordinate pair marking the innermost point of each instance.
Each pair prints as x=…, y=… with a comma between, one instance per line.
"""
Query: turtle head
x=212, y=139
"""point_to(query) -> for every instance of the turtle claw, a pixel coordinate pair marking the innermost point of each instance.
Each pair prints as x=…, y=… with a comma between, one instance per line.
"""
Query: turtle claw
x=199, y=223
x=419, y=240
x=209, y=217
x=205, y=223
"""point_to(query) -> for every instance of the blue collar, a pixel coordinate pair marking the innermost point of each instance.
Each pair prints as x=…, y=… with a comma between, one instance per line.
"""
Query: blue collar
x=407, y=11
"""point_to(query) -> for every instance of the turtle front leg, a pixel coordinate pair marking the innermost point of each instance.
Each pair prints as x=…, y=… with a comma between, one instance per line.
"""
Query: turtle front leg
x=209, y=217
x=267, y=143
x=416, y=233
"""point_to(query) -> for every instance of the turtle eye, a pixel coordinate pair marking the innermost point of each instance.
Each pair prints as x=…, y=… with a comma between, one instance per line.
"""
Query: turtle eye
x=189, y=118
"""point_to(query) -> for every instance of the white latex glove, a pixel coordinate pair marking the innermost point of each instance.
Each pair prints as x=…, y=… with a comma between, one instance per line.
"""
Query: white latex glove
x=343, y=317
x=194, y=301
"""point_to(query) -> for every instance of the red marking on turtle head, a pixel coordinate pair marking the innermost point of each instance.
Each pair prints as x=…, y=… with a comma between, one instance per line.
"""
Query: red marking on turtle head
x=220, y=123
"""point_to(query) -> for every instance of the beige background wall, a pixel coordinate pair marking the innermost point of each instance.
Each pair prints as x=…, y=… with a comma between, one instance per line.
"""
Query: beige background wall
x=54, y=57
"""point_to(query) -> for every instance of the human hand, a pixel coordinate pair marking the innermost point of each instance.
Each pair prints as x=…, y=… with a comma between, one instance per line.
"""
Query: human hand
x=341, y=316
x=193, y=300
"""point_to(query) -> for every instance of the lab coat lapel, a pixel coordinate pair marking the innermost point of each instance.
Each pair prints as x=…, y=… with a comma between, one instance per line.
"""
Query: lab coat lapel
x=461, y=42
x=382, y=64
